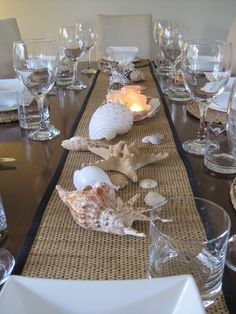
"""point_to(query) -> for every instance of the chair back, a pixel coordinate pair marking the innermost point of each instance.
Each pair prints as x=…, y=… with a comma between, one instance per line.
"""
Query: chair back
x=232, y=38
x=124, y=30
x=9, y=32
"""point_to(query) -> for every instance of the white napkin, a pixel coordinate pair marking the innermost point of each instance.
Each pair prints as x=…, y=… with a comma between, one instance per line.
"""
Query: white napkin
x=220, y=103
x=119, y=53
x=9, y=88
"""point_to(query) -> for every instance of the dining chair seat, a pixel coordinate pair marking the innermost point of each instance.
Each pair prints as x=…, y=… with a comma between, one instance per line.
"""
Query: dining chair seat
x=124, y=30
x=232, y=38
x=9, y=32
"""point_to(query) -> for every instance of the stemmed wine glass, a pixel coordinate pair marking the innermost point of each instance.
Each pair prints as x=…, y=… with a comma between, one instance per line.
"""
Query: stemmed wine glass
x=72, y=42
x=89, y=39
x=206, y=68
x=36, y=63
x=172, y=38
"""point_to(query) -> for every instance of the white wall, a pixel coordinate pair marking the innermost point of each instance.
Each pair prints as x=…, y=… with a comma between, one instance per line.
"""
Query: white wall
x=206, y=19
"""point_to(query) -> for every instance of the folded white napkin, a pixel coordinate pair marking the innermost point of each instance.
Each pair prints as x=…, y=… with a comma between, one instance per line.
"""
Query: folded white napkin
x=119, y=53
x=9, y=88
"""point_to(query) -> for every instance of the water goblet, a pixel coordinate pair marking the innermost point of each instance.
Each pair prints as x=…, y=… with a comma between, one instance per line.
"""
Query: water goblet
x=36, y=64
x=206, y=68
x=172, y=38
x=89, y=38
x=72, y=42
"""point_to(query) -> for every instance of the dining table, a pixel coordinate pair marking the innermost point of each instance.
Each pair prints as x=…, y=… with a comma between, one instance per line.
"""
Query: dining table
x=30, y=199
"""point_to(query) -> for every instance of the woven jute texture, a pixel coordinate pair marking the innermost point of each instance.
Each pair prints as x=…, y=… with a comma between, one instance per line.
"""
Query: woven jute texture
x=211, y=115
x=64, y=250
x=8, y=116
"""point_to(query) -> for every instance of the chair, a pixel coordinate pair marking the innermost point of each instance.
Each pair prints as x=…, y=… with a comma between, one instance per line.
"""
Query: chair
x=9, y=32
x=232, y=38
x=124, y=30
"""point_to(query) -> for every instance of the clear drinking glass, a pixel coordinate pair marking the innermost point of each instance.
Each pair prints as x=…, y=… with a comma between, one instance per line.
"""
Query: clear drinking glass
x=194, y=241
x=89, y=38
x=163, y=67
x=72, y=42
x=231, y=129
x=206, y=69
x=172, y=38
x=36, y=64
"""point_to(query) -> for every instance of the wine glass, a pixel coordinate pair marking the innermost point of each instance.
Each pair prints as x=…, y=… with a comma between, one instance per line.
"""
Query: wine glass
x=172, y=38
x=36, y=64
x=231, y=128
x=89, y=38
x=72, y=41
x=163, y=64
x=206, y=68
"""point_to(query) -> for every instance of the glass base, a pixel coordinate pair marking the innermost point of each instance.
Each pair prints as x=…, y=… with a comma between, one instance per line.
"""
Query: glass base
x=221, y=163
x=231, y=253
x=44, y=134
x=77, y=87
x=179, y=94
x=7, y=263
x=89, y=71
x=194, y=147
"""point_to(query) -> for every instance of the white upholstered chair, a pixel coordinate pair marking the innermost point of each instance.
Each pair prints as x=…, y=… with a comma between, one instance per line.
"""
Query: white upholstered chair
x=124, y=30
x=9, y=32
x=232, y=38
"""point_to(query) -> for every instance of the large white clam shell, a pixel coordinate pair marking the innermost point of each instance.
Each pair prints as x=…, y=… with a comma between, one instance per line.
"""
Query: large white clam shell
x=110, y=120
x=90, y=175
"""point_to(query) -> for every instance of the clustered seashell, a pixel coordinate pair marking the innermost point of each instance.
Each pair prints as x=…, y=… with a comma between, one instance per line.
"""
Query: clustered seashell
x=99, y=208
x=110, y=120
x=136, y=76
x=154, y=139
x=147, y=184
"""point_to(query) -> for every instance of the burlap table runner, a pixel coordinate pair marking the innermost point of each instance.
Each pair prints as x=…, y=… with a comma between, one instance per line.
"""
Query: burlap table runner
x=63, y=250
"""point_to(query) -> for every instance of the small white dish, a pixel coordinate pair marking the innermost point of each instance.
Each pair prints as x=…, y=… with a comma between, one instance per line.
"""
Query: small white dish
x=26, y=295
x=220, y=103
x=8, y=94
x=120, y=54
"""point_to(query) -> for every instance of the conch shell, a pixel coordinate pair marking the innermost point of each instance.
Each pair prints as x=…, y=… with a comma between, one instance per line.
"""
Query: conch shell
x=98, y=208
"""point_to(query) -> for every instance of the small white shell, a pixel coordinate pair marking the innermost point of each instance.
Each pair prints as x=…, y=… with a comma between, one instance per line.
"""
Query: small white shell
x=154, y=139
x=154, y=199
x=89, y=175
x=147, y=184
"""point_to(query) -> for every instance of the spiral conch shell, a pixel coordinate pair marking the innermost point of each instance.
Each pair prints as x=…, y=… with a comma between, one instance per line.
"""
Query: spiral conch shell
x=98, y=208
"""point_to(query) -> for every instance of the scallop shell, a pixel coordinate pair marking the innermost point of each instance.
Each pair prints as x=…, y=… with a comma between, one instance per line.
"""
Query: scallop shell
x=89, y=175
x=98, y=208
x=147, y=184
x=110, y=120
x=154, y=139
x=154, y=199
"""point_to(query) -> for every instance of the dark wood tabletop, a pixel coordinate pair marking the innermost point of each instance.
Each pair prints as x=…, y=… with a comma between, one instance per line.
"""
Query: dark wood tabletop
x=23, y=182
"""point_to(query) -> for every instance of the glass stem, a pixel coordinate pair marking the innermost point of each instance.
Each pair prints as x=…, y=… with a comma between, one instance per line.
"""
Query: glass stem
x=202, y=133
x=75, y=72
x=44, y=119
x=89, y=58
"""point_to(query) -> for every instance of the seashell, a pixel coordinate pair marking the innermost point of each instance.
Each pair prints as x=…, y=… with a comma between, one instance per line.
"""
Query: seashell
x=136, y=76
x=89, y=175
x=118, y=180
x=99, y=208
x=147, y=184
x=110, y=120
x=154, y=199
x=81, y=144
x=154, y=139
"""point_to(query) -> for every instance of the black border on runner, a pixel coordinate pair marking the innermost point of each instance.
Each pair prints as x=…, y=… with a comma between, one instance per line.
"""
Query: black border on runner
x=31, y=233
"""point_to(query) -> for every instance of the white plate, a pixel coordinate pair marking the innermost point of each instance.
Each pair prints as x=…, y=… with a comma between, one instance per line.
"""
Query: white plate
x=25, y=295
x=8, y=94
x=221, y=102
